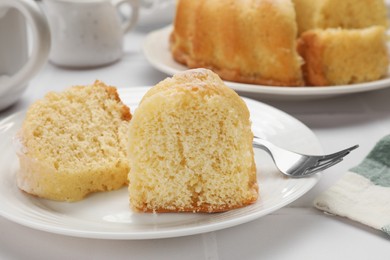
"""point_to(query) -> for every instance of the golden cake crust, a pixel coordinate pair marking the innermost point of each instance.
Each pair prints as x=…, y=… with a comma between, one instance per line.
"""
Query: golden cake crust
x=347, y=14
x=250, y=42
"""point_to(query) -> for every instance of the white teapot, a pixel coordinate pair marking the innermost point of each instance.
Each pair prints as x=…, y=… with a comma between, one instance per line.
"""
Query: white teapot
x=88, y=33
x=17, y=65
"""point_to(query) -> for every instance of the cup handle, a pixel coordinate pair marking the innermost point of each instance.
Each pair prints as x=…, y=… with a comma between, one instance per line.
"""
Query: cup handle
x=129, y=22
x=40, y=46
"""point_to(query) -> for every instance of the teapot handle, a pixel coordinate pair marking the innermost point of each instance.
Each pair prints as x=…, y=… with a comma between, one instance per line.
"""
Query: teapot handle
x=40, y=45
x=128, y=23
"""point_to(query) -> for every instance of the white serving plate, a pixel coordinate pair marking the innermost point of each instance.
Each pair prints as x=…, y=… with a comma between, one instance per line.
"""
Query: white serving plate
x=107, y=215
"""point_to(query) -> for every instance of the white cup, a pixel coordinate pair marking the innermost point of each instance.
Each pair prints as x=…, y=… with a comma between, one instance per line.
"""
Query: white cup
x=88, y=33
x=17, y=66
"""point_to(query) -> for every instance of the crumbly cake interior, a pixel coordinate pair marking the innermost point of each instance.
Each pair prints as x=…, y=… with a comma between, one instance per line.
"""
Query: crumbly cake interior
x=344, y=56
x=75, y=142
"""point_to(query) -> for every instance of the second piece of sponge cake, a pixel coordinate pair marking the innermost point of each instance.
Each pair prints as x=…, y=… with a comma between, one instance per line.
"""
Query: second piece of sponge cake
x=191, y=147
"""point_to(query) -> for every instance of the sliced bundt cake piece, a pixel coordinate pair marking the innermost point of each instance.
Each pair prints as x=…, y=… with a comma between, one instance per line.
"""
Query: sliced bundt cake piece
x=191, y=147
x=74, y=143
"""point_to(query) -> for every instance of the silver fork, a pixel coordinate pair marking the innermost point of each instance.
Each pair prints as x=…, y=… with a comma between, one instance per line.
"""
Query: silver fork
x=299, y=165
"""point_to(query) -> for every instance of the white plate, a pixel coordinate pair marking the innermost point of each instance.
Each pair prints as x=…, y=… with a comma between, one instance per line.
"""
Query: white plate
x=107, y=215
x=156, y=50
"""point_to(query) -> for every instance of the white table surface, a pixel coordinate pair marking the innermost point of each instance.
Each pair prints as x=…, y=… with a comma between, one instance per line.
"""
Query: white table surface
x=297, y=231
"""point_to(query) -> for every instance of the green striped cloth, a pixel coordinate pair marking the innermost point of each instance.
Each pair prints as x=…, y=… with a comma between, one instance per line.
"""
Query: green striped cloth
x=363, y=193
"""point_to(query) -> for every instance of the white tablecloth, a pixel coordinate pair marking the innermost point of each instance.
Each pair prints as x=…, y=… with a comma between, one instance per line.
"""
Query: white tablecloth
x=297, y=231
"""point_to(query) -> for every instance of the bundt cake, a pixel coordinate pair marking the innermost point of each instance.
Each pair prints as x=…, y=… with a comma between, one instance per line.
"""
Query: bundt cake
x=251, y=41
x=73, y=143
x=343, y=56
x=347, y=14
x=191, y=147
